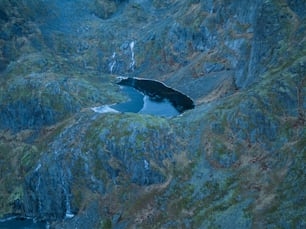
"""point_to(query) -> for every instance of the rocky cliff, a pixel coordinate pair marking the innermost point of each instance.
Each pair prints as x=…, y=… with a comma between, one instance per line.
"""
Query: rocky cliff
x=237, y=160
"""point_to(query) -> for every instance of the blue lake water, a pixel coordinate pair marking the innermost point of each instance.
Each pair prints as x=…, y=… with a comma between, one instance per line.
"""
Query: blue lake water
x=140, y=103
x=161, y=108
x=135, y=102
x=17, y=223
x=159, y=92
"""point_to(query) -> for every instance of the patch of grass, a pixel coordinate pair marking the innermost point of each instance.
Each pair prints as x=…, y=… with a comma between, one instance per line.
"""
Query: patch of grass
x=105, y=224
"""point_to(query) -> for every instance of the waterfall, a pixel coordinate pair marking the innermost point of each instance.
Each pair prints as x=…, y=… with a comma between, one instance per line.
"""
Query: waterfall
x=65, y=187
x=68, y=214
x=39, y=201
x=37, y=167
x=133, y=62
x=112, y=63
x=37, y=188
x=146, y=164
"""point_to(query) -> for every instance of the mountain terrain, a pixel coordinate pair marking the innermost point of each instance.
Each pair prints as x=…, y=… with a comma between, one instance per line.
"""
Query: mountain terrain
x=237, y=160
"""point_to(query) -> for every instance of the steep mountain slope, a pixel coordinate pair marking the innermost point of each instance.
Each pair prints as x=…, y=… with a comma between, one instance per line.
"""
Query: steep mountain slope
x=235, y=161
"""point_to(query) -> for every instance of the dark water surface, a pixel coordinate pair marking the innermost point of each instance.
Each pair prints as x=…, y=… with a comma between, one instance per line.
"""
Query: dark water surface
x=135, y=103
x=149, y=97
x=160, y=93
x=143, y=104
x=160, y=108
x=21, y=223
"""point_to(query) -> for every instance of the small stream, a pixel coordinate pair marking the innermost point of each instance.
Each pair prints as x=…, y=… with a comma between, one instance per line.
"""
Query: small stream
x=149, y=97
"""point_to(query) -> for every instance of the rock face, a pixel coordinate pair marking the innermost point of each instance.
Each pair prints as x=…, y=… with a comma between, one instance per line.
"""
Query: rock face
x=93, y=157
x=237, y=159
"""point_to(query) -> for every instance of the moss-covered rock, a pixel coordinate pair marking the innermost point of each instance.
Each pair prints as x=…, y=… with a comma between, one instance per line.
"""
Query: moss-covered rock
x=104, y=8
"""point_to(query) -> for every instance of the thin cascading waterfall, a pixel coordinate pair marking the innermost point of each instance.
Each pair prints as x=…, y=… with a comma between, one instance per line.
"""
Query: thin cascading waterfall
x=112, y=63
x=37, y=191
x=37, y=188
x=146, y=164
x=211, y=11
x=133, y=61
x=65, y=187
x=68, y=213
x=210, y=5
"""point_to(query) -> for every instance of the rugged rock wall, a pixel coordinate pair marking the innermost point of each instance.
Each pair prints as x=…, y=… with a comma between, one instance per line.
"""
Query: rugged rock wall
x=237, y=159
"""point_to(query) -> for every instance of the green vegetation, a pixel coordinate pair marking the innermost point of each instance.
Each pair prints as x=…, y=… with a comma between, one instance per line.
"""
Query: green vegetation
x=106, y=224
